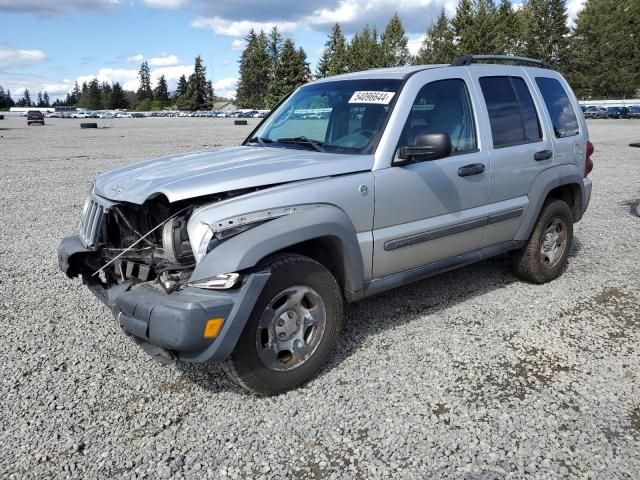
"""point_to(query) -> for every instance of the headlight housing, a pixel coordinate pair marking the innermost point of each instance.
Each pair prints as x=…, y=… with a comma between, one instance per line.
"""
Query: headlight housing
x=219, y=282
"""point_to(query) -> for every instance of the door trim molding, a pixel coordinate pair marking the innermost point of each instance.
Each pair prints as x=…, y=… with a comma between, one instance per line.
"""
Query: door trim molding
x=417, y=238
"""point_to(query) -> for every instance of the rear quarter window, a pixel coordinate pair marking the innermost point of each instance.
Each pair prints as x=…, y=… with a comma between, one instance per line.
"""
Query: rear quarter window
x=563, y=117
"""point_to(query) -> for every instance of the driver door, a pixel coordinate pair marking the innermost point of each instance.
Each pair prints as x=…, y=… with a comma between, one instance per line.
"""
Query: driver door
x=428, y=211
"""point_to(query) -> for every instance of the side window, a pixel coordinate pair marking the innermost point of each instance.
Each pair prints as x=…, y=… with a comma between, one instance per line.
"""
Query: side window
x=512, y=113
x=443, y=106
x=563, y=117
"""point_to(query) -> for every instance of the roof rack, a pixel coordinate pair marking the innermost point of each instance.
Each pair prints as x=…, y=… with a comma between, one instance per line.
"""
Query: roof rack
x=469, y=59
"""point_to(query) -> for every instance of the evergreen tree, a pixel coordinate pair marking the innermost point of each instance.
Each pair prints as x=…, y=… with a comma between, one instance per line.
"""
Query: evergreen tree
x=74, y=97
x=393, y=44
x=118, y=98
x=253, y=84
x=9, y=100
x=334, y=56
x=364, y=51
x=92, y=99
x=437, y=46
x=509, y=30
x=144, y=76
x=39, y=102
x=292, y=71
x=46, y=100
x=462, y=28
x=546, y=31
x=161, y=92
x=181, y=88
x=605, y=51
x=483, y=34
x=196, y=95
x=274, y=48
x=26, y=98
x=105, y=94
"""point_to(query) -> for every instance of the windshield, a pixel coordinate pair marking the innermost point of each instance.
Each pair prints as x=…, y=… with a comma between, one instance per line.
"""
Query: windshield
x=339, y=117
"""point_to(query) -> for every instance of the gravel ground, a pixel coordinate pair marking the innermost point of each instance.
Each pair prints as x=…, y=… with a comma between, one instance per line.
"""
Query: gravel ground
x=470, y=375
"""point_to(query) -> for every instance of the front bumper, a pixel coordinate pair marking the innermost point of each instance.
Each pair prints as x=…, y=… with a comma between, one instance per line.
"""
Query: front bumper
x=170, y=326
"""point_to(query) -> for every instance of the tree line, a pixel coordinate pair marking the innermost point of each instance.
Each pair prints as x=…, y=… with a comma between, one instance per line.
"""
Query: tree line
x=600, y=55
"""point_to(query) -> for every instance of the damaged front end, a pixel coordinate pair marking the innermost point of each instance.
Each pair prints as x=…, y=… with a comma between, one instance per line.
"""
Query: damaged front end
x=138, y=259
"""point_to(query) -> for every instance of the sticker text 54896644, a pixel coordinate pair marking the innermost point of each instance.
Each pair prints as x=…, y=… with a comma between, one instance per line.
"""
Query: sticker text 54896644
x=362, y=96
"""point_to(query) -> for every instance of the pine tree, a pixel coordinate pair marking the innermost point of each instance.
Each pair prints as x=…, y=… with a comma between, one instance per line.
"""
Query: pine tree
x=144, y=76
x=26, y=98
x=483, y=32
x=39, y=102
x=393, y=44
x=105, y=94
x=46, y=100
x=93, y=98
x=118, y=98
x=161, y=92
x=9, y=100
x=437, y=46
x=181, y=88
x=274, y=49
x=364, y=51
x=196, y=96
x=254, y=68
x=605, y=52
x=462, y=24
x=334, y=55
x=509, y=38
x=546, y=30
x=292, y=71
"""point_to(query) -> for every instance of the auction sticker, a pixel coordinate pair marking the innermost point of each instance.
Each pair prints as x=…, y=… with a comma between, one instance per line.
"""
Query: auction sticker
x=364, y=96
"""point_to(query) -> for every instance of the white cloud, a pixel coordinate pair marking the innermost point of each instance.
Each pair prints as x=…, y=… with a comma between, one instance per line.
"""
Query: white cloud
x=238, y=44
x=136, y=58
x=168, y=4
x=225, y=87
x=166, y=61
x=414, y=44
x=240, y=28
x=13, y=57
x=34, y=83
x=54, y=7
x=573, y=7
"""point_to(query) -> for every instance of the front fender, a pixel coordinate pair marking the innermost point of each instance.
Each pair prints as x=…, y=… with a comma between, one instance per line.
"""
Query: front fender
x=247, y=249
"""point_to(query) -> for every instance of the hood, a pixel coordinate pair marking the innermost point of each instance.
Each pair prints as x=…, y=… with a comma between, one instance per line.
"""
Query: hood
x=180, y=177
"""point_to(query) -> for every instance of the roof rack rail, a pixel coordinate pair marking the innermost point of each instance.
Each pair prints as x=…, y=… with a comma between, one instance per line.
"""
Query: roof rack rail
x=469, y=59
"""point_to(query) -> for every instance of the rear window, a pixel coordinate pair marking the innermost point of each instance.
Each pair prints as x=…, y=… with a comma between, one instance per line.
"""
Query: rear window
x=512, y=113
x=563, y=117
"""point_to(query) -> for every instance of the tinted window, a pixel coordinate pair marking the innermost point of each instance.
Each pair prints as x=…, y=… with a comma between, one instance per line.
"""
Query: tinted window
x=563, y=117
x=442, y=107
x=512, y=114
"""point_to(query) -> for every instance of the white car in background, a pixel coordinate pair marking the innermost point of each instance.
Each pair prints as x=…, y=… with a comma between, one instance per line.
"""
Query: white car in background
x=123, y=115
x=78, y=115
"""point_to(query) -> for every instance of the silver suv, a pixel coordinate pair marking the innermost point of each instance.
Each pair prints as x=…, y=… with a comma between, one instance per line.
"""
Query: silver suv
x=351, y=186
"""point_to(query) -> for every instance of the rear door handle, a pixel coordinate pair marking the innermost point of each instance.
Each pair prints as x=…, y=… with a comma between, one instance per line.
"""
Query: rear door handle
x=473, y=169
x=543, y=155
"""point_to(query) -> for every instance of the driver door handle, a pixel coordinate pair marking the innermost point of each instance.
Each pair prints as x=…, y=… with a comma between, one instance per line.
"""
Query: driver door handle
x=473, y=169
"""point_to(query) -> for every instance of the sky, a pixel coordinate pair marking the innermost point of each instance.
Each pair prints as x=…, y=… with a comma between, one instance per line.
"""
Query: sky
x=49, y=44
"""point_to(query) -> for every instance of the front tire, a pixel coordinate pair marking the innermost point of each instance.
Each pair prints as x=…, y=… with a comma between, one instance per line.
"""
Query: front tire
x=292, y=330
x=545, y=255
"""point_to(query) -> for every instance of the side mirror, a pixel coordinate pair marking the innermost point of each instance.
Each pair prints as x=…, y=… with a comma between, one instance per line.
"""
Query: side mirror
x=428, y=146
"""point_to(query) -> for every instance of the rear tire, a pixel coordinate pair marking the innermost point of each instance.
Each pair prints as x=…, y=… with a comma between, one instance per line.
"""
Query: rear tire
x=292, y=330
x=544, y=257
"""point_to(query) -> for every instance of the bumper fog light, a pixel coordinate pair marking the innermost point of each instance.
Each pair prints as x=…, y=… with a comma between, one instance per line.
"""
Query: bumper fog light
x=219, y=282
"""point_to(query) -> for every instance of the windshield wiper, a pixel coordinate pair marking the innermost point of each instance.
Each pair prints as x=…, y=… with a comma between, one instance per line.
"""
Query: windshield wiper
x=303, y=141
x=261, y=141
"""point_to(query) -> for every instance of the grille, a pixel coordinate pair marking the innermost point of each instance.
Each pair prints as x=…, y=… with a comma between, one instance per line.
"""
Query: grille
x=92, y=221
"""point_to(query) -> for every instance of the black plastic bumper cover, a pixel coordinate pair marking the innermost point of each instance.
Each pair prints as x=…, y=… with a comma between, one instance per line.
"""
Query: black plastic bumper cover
x=175, y=321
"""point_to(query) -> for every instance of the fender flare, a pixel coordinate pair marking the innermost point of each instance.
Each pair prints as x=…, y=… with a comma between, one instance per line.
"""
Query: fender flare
x=247, y=249
x=546, y=181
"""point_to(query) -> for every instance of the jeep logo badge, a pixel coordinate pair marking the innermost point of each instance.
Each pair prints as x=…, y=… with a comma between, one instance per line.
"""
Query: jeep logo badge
x=364, y=190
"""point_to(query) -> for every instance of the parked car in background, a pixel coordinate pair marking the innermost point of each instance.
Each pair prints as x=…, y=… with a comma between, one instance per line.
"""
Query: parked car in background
x=78, y=115
x=617, y=112
x=35, y=116
x=595, y=112
x=634, y=111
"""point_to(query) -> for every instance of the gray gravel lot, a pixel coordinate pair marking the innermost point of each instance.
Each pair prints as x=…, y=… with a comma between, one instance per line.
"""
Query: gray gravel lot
x=470, y=375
